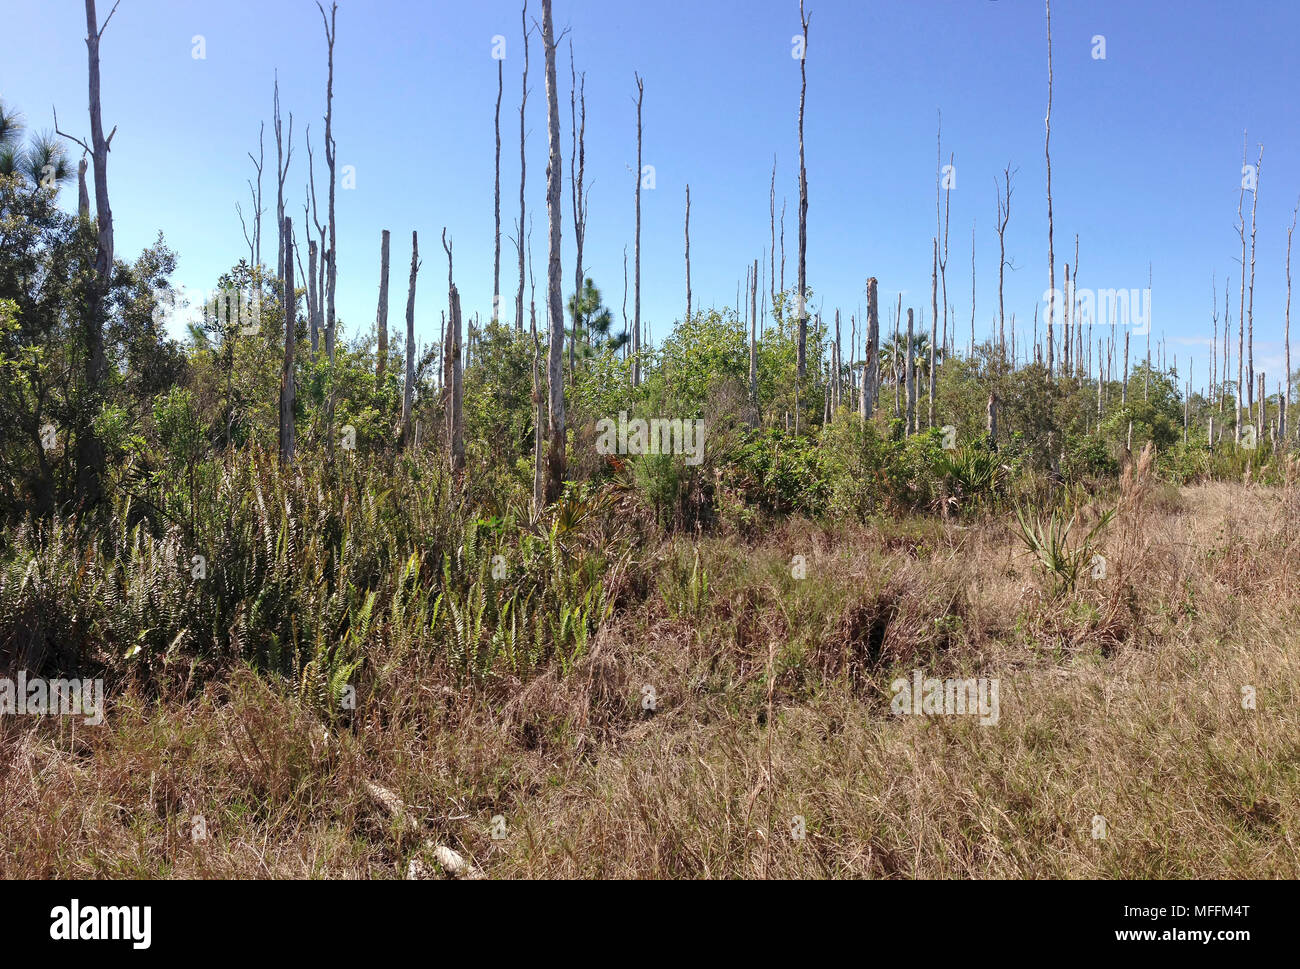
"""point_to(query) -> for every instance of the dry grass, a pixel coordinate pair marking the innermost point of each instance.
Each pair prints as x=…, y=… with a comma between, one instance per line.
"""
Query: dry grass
x=1122, y=700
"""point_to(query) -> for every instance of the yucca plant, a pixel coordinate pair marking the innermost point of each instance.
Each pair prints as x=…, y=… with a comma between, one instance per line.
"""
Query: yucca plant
x=1048, y=540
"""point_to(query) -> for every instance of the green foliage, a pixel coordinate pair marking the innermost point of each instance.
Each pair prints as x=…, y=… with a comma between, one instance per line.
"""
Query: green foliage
x=1047, y=538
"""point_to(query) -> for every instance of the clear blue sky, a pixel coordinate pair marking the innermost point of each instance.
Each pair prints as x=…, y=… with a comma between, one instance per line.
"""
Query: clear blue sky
x=1146, y=144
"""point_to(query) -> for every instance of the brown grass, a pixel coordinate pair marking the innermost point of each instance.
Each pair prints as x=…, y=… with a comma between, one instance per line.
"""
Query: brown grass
x=1122, y=700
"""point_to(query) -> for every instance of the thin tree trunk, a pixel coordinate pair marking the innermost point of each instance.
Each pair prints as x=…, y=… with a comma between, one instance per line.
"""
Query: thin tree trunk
x=688, y=252
x=1250, y=306
x=555, y=457
x=381, y=317
x=313, y=296
x=934, y=327
x=523, y=177
x=496, y=201
x=408, y=388
x=801, y=361
x=1051, y=252
x=636, y=246
x=871, y=381
x=577, y=174
x=287, y=372
x=910, y=365
x=1286, y=386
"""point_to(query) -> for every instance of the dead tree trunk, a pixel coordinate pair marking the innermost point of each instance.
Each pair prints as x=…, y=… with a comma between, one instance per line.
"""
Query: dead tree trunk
x=408, y=387
x=1286, y=386
x=89, y=449
x=992, y=421
x=496, y=202
x=455, y=414
x=577, y=176
x=283, y=159
x=871, y=373
x=688, y=252
x=290, y=325
x=1051, y=251
x=83, y=194
x=636, y=245
x=910, y=372
x=523, y=177
x=313, y=296
x=801, y=361
x=555, y=456
x=381, y=317
x=934, y=327
x=1250, y=306
x=331, y=161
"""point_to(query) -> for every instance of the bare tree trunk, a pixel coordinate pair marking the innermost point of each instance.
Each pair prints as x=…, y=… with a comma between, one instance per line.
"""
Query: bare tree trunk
x=1066, y=339
x=290, y=325
x=934, y=326
x=408, y=388
x=496, y=203
x=636, y=245
x=313, y=296
x=83, y=195
x=555, y=456
x=972, y=289
x=801, y=362
x=523, y=176
x=1004, y=217
x=577, y=175
x=753, y=367
x=1286, y=386
x=688, y=252
x=1250, y=306
x=871, y=379
x=771, y=216
x=992, y=420
x=331, y=161
x=455, y=419
x=941, y=229
x=381, y=317
x=910, y=365
x=1123, y=398
x=1241, y=315
x=89, y=449
x=1051, y=252
x=282, y=162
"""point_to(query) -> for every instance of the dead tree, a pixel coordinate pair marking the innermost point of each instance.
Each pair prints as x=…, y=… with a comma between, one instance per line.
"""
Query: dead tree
x=577, y=175
x=771, y=216
x=555, y=457
x=408, y=387
x=312, y=297
x=910, y=376
x=1241, y=315
x=453, y=392
x=331, y=161
x=290, y=324
x=381, y=316
x=636, y=245
x=1286, y=387
x=83, y=194
x=89, y=449
x=801, y=361
x=256, y=193
x=942, y=229
x=1051, y=251
x=523, y=178
x=753, y=367
x=871, y=372
x=283, y=159
x=934, y=326
x=496, y=201
x=688, y=252
x=1250, y=306
x=1004, y=217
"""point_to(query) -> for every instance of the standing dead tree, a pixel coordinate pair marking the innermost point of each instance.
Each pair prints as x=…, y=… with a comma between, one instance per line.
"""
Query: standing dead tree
x=910, y=375
x=871, y=369
x=1051, y=251
x=496, y=200
x=290, y=325
x=331, y=161
x=555, y=456
x=636, y=245
x=1241, y=315
x=946, y=179
x=934, y=328
x=1285, y=414
x=255, y=194
x=523, y=177
x=1004, y=217
x=453, y=393
x=577, y=175
x=801, y=355
x=408, y=387
x=1250, y=305
x=381, y=316
x=89, y=449
x=688, y=252
x=283, y=159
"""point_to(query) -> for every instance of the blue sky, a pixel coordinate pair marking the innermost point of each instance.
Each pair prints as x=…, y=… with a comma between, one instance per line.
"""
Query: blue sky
x=1146, y=143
